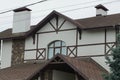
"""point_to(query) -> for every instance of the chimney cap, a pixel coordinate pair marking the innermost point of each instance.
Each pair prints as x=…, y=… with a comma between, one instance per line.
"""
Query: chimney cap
x=22, y=9
x=100, y=6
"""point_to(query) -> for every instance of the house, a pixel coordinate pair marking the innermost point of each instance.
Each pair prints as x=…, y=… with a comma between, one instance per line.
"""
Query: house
x=58, y=47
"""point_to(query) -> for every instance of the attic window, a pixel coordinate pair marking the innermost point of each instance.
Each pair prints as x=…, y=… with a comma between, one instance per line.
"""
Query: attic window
x=56, y=47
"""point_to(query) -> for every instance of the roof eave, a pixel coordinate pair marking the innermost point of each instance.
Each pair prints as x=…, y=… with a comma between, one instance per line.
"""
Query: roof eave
x=103, y=27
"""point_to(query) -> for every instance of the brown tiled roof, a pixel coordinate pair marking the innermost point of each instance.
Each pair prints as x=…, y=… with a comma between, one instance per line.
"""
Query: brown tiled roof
x=19, y=72
x=7, y=34
x=85, y=67
x=88, y=67
x=100, y=21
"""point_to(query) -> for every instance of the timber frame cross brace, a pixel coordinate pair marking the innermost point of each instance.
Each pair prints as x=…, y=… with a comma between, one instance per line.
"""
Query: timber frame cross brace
x=57, y=27
x=72, y=51
x=57, y=60
x=109, y=48
x=40, y=53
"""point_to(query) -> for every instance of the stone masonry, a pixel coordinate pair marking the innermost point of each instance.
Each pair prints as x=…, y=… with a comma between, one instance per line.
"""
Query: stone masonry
x=18, y=51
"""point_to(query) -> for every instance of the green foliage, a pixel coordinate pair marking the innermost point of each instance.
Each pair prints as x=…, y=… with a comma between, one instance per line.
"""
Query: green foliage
x=114, y=63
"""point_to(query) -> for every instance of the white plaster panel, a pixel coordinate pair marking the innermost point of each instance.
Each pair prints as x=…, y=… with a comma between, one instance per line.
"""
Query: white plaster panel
x=111, y=35
x=29, y=43
x=29, y=55
x=102, y=62
x=53, y=21
x=68, y=25
x=91, y=50
x=69, y=37
x=46, y=28
x=6, y=54
x=91, y=36
x=60, y=21
x=60, y=75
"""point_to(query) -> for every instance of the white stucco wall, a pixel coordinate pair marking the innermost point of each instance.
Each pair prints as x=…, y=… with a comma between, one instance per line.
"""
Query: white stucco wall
x=111, y=35
x=101, y=61
x=95, y=37
x=68, y=37
x=29, y=55
x=91, y=50
x=92, y=36
x=28, y=46
x=59, y=75
x=67, y=25
x=29, y=43
x=46, y=28
x=6, y=54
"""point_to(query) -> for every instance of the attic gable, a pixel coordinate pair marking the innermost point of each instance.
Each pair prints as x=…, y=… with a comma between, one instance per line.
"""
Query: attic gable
x=57, y=24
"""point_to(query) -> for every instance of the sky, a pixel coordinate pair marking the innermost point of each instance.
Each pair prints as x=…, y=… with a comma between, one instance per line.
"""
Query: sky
x=75, y=9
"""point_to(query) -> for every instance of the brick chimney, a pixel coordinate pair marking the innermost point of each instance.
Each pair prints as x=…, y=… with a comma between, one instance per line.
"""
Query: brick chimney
x=101, y=10
x=21, y=20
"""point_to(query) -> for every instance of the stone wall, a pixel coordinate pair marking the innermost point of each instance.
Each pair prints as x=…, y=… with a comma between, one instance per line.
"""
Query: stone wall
x=18, y=51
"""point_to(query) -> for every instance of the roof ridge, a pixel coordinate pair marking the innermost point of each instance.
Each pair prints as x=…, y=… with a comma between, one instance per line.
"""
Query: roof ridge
x=97, y=16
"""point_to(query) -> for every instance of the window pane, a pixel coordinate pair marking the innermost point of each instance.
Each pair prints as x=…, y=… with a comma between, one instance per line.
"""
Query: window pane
x=51, y=45
x=57, y=50
x=58, y=44
x=50, y=54
x=63, y=43
x=64, y=50
x=56, y=47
